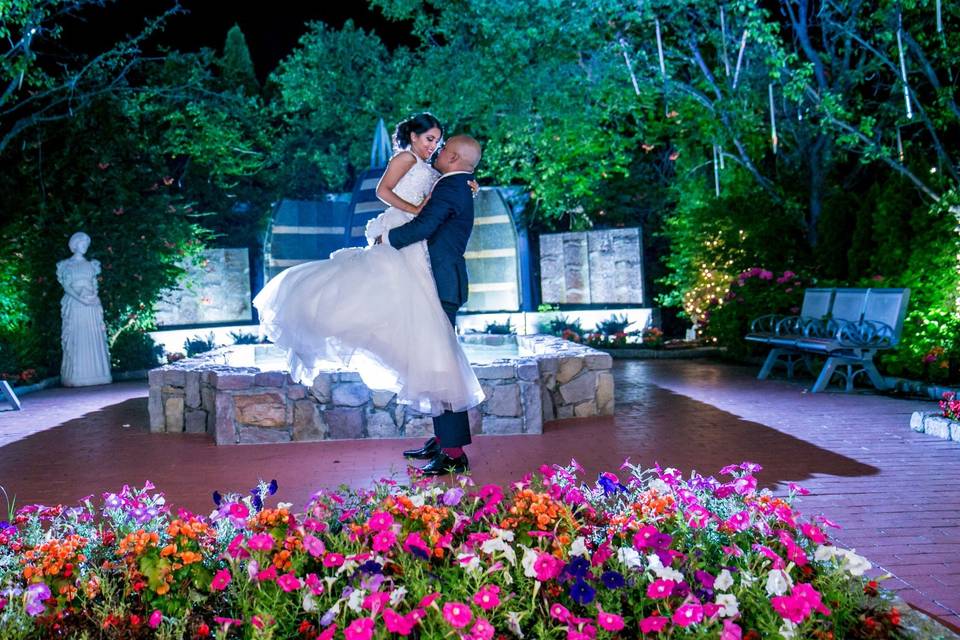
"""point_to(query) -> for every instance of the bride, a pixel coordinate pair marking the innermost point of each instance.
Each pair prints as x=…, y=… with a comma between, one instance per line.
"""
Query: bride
x=375, y=309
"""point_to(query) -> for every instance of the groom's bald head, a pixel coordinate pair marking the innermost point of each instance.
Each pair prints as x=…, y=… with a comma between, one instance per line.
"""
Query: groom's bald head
x=461, y=153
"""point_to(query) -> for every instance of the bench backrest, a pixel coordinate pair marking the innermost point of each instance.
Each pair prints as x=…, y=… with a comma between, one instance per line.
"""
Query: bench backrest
x=816, y=303
x=848, y=304
x=888, y=306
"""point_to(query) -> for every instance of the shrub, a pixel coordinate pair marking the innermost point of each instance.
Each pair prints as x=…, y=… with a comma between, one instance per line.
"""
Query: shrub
x=499, y=328
x=241, y=337
x=135, y=350
x=199, y=344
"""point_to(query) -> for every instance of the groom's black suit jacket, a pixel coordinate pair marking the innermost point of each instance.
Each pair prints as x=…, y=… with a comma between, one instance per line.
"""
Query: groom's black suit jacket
x=445, y=222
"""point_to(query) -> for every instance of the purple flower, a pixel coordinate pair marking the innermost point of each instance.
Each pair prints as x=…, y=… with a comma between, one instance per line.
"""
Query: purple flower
x=610, y=484
x=452, y=497
x=36, y=594
x=612, y=580
x=577, y=567
x=112, y=501
x=581, y=592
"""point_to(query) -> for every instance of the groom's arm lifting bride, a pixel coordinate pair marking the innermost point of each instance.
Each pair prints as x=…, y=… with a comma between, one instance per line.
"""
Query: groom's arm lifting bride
x=445, y=222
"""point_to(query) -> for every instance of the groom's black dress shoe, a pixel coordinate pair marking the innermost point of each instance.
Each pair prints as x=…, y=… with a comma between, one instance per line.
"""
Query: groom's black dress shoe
x=428, y=451
x=443, y=464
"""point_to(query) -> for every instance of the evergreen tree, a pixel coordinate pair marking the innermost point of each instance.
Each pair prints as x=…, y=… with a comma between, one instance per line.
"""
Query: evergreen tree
x=236, y=65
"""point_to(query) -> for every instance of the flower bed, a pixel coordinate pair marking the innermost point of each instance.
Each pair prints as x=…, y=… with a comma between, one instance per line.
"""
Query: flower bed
x=649, y=555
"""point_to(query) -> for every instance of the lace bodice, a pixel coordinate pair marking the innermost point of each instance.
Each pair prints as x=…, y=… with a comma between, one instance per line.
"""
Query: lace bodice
x=413, y=187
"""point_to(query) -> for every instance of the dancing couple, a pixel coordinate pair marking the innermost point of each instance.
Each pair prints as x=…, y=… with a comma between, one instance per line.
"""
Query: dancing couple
x=388, y=310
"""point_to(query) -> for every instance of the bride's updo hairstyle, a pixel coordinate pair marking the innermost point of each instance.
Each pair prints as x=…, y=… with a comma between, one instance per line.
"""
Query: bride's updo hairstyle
x=418, y=124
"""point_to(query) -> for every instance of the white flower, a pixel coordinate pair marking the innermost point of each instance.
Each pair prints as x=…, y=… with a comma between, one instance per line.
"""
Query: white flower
x=825, y=552
x=529, y=559
x=659, y=486
x=747, y=579
x=396, y=596
x=729, y=607
x=788, y=630
x=347, y=567
x=284, y=505
x=417, y=500
x=724, y=581
x=629, y=557
x=513, y=622
x=470, y=563
x=778, y=582
x=855, y=564
x=309, y=602
x=662, y=572
x=355, y=601
x=579, y=548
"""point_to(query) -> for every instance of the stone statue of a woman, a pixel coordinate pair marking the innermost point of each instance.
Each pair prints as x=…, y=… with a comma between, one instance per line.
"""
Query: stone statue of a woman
x=86, y=360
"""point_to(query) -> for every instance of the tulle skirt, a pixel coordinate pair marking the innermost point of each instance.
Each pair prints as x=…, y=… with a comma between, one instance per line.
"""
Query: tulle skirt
x=368, y=310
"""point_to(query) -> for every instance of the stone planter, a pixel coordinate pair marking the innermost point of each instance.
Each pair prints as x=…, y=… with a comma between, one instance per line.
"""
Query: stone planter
x=935, y=424
x=238, y=395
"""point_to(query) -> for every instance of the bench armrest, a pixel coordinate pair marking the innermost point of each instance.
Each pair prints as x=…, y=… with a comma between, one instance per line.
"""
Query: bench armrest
x=865, y=334
x=765, y=324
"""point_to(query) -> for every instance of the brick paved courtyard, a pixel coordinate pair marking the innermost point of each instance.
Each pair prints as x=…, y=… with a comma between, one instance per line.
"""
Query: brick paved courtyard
x=895, y=493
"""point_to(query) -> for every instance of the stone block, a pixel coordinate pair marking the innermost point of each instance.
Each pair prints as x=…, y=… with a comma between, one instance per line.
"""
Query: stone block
x=605, y=395
x=208, y=377
x=528, y=370
x=270, y=379
x=350, y=376
x=155, y=409
x=351, y=394
x=937, y=426
x=564, y=411
x=259, y=435
x=380, y=424
x=344, y=423
x=308, y=424
x=580, y=389
x=321, y=387
x=598, y=360
x=532, y=402
x=569, y=367
x=191, y=389
x=548, y=365
x=170, y=392
x=155, y=377
x=225, y=429
x=916, y=421
x=261, y=409
x=417, y=426
x=502, y=426
x=476, y=420
x=234, y=381
x=585, y=409
x=955, y=431
x=382, y=398
x=504, y=401
x=208, y=396
x=550, y=381
x=296, y=392
x=495, y=371
x=175, y=377
x=195, y=420
x=173, y=414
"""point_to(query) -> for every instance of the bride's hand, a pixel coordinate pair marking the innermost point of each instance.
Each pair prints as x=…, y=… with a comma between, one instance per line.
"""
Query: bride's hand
x=474, y=186
x=422, y=205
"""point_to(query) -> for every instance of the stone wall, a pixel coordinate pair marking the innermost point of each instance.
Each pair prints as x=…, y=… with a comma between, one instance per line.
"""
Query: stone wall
x=217, y=289
x=592, y=267
x=205, y=394
x=935, y=424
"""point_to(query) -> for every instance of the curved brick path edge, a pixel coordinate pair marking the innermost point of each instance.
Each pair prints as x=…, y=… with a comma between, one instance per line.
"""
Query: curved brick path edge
x=896, y=493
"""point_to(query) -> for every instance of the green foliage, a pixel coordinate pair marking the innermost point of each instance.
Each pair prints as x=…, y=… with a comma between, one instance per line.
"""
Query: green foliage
x=241, y=337
x=614, y=324
x=199, y=344
x=499, y=328
x=561, y=325
x=236, y=65
x=135, y=350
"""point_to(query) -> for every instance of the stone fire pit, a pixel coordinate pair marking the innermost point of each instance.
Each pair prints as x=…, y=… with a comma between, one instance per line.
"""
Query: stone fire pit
x=243, y=394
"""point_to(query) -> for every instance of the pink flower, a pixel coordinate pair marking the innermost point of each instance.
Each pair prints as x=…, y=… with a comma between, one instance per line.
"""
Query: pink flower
x=547, y=567
x=457, y=614
x=653, y=624
x=488, y=597
x=383, y=541
x=235, y=548
x=609, y=621
x=416, y=545
x=260, y=542
x=697, y=517
x=376, y=601
x=427, y=600
x=396, y=623
x=481, y=630
x=220, y=580
x=328, y=633
x=289, y=582
x=559, y=612
x=660, y=589
x=814, y=533
x=155, y=619
x=359, y=629
x=314, y=545
x=380, y=521
x=268, y=574
x=791, y=608
x=811, y=596
x=644, y=536
x=745, y=485
x=730, y=631
x=332, y=560
x=238, y=511
x=314, y=584
x=688, y=614
x=739, y=521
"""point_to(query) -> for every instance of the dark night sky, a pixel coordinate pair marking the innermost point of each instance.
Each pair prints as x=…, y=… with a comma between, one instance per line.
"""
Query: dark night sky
x=271, y=28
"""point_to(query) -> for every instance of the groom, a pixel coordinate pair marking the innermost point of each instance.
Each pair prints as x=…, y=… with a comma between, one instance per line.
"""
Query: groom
x=445, y=222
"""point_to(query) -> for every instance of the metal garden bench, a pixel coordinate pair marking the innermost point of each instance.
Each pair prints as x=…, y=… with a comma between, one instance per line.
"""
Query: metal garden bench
x=848, y=326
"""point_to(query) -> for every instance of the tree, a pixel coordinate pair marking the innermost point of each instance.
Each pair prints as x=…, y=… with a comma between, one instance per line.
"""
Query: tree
x=236, y=65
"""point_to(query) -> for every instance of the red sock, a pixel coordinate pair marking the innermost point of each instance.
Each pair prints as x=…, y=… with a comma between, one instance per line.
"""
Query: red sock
x=453, y=452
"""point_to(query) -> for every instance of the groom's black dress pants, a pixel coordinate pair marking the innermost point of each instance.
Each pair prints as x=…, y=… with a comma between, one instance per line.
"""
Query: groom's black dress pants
x=452, y=428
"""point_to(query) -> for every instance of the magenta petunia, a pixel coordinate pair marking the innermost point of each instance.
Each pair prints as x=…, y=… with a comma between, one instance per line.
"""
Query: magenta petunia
x=384, y=541
x=155, y=619
x=482, y=630
x=731, y=631
x=688, y=614
x=260, y=542
x=488, y=597
x=314, y=584
x=359, y=629
x=609, y=621
x=659, y=589
x=559, y=612
x=333, y=560
x=220, y=580
x=314, y=545
x=457, y=614
x=380, y=521
x=395, y=623
x=547, y=567
x=653, y=624
x=289, y=582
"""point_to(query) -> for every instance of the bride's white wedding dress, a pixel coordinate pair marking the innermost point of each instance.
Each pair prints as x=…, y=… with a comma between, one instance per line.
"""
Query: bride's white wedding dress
x=375, y=310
